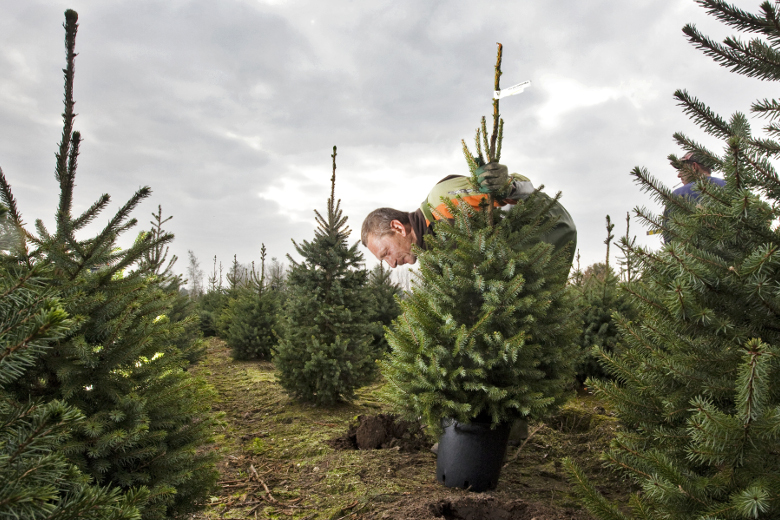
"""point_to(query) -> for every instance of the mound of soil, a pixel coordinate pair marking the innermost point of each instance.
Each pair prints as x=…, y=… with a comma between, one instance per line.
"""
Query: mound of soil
x=382, y=432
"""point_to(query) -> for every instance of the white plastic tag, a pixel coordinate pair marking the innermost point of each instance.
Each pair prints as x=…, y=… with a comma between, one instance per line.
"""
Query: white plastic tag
x=511, y=91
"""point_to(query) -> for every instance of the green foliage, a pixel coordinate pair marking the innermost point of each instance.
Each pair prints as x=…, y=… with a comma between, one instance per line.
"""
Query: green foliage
x=144, y=417
x=36, y=479
x=383, y=305
x=490, y=328
x=210, y=307
x=697, y=383
x=600, y=295
x=326, y=351
x=250, y=335
x=183, y=310
x=252, y=316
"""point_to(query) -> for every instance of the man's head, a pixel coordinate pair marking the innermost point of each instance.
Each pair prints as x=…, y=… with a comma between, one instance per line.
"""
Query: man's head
x=388, y=234
x=692, y=168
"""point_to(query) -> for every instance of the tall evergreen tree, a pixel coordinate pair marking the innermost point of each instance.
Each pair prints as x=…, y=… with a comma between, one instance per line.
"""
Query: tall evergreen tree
x=145, y=418
x=326, y=350
x=698, y=382
x=489, y=330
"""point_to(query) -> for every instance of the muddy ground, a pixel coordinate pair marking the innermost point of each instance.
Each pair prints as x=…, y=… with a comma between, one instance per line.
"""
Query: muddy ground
x=286, y=460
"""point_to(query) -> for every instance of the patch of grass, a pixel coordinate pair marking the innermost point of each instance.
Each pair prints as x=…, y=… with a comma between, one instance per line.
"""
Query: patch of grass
x=284, y=443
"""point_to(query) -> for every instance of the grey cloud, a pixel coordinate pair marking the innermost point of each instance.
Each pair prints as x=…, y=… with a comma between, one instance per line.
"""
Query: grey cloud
x=212, y=103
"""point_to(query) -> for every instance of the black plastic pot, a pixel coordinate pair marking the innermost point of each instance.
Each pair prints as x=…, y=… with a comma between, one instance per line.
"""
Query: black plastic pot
x=470, y=455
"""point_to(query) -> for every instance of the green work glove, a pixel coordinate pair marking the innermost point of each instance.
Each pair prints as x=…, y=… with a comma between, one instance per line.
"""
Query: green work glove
x=493, y=177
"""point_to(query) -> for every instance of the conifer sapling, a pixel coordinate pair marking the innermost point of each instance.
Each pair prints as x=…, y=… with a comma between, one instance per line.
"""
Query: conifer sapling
x=326, y=350
x=487, y=333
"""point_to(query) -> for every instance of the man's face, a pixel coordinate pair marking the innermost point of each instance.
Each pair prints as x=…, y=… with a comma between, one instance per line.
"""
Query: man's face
x=395, y=248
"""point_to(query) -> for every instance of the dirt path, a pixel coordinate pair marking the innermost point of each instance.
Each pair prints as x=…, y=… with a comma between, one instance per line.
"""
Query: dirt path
x=278, y=463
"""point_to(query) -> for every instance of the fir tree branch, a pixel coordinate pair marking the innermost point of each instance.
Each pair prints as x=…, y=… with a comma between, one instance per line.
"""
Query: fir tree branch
x=710, y=159
x=478, y=144
x=469, y=158
x=594, y=501
x=754, y=59
x=483, y=131
x=90, y=214
x=67, y=183
x=703, y=115
x=769, y=108
x=742, y=20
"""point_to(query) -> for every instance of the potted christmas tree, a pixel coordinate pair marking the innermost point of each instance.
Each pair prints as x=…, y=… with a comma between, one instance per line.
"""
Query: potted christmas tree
x=488, y=332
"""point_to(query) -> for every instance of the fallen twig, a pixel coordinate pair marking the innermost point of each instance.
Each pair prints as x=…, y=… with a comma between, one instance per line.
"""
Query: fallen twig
x=268, y=491
x=349, y=508
x=514, y=457
x=270, y=496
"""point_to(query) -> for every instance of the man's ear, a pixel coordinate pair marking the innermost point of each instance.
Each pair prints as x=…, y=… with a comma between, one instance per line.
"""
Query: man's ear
x=397, y=227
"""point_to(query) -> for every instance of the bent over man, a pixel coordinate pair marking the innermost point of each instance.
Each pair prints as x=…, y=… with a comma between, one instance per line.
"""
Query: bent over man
x=390, y=233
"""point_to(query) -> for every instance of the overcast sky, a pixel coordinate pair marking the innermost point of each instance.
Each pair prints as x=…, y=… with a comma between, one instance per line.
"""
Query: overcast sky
x=229, y=109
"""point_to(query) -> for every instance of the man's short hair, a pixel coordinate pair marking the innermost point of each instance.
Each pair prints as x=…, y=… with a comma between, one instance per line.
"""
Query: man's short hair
x=695, y=157
x=377, y=223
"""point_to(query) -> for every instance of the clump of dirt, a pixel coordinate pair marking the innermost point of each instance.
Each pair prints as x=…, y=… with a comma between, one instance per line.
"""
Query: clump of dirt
x=382, y=432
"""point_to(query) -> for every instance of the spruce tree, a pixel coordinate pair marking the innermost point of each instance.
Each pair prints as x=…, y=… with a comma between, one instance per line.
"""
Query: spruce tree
x=36, y=480
x=145, y=418
x=184, y=312
x=489, y=330
x=383, y=306
x=253, y=316
x=600, y=295
x=326, y=351
x=212, y=302
x=697, y=384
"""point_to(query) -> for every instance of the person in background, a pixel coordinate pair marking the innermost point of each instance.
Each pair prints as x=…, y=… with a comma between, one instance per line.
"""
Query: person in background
x=692, y=171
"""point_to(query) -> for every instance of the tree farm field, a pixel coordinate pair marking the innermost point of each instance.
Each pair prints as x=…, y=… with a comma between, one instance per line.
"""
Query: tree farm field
x=278, y=459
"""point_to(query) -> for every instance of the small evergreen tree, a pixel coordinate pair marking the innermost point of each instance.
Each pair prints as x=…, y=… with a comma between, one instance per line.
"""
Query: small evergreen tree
x=326, y=351
x=697, y=384
x=600, y=295
x=253, y=316
x=195, y=276
x=184, y=310
x=489, y=330
x=238, y=280
x=145, y=418
x=212, y=302
x=383, y=306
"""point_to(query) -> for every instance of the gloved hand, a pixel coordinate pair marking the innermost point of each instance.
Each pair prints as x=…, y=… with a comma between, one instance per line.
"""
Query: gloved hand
x=493, y=177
